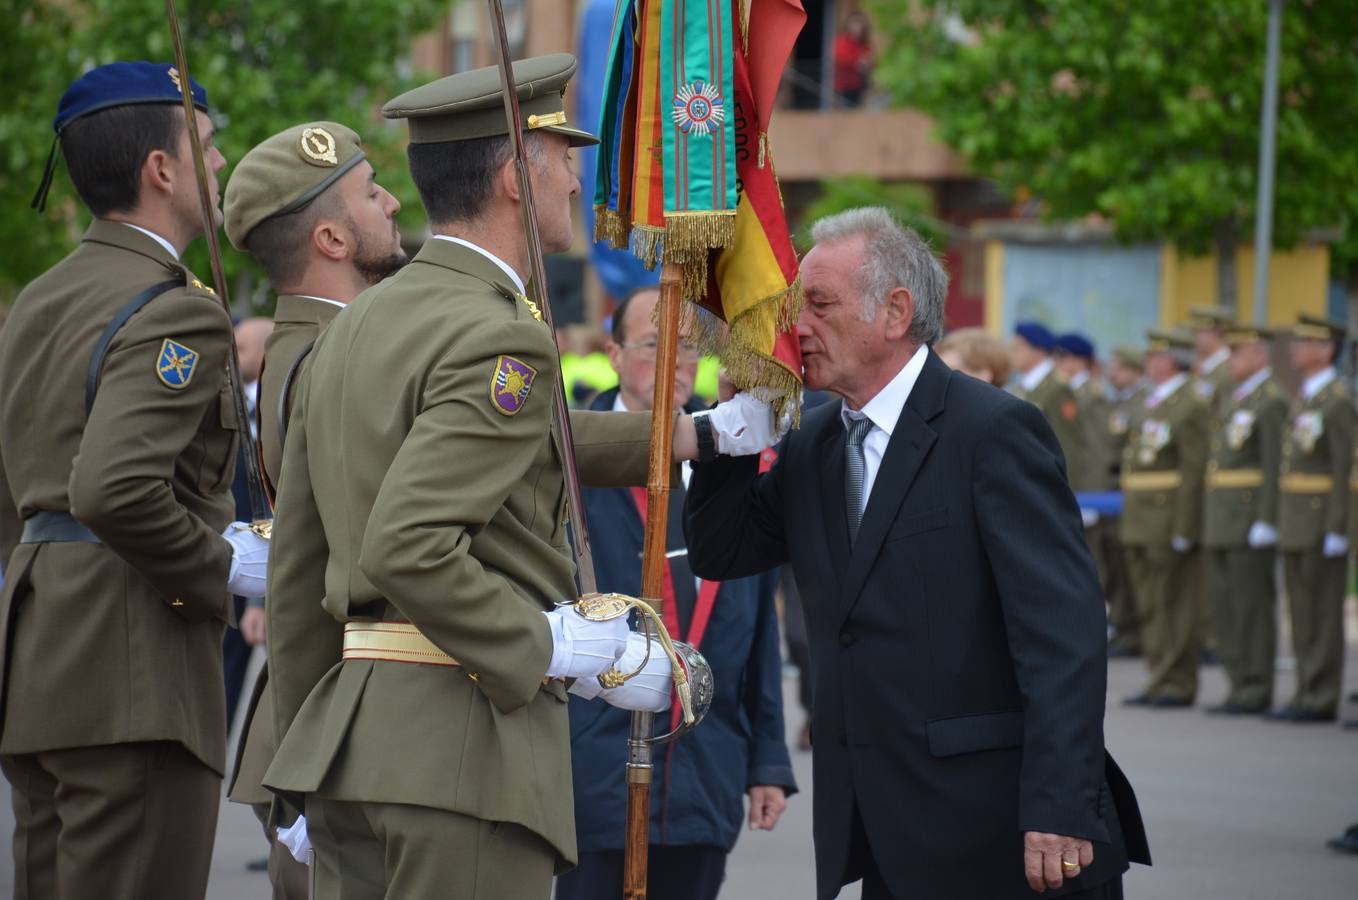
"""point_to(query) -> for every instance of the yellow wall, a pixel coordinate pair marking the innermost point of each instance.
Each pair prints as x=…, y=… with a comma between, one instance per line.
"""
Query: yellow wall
x=1297, y=283
x=994, y=286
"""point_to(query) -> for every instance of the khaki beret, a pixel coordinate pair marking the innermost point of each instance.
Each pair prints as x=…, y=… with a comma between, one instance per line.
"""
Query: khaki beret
x=285, y=173
x=1204, y=317
x=471, y=105
x=1236, y=335
x=1318, y=328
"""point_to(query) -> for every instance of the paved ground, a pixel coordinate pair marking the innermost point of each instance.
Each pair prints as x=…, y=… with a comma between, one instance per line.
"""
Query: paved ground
x=1236, y=809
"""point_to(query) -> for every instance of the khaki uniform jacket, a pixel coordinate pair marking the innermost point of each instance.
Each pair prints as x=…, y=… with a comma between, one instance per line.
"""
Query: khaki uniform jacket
x=1095, y=409
x=1214, y=388
x=1162, y=471
x=1124, y=417
x=1317, y=456
x=410, y=492
x=1057, y=402
x=1353, y=500
x=298, y=321
x=1242, y=473
x=120, y=641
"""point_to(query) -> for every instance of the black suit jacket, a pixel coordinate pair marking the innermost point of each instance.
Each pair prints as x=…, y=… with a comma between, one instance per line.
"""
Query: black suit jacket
x=958, y=648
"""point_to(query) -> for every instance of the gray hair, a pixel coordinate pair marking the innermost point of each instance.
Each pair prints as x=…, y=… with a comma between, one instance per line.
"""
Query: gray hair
x=894, y=257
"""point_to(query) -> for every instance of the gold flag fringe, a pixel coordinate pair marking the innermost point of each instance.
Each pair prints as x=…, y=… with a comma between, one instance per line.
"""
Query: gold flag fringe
x=764, y=153
x=743, y=13
x=610, y=226
x=690, y=232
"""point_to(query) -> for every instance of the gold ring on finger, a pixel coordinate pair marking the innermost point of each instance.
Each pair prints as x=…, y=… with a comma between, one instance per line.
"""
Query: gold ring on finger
x=1070, y=866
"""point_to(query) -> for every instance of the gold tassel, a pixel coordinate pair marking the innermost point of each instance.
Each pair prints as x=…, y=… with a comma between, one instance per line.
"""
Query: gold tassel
x=743, y=11
x=610, y=226
x=763, y=148
x=646, y=244
x=686, y=232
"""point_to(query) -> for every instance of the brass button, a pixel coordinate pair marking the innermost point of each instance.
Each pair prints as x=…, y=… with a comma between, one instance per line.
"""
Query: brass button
x=177, y=602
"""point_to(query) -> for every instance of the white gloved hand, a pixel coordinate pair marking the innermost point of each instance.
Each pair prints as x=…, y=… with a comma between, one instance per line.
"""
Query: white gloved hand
x=249, y=561
x=582, y=648
x=1262, y=535
x=744, y=424
x=1090, y=517
x=1335, y=545
x=1180, y=544
x=295, y=838
x=650, y=689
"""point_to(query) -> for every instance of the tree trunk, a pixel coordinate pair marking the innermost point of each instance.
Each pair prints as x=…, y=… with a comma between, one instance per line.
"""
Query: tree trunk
x=1226, y=241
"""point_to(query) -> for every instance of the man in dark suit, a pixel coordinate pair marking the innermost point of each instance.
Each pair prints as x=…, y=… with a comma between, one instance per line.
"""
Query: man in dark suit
x=739, y=750
x=956, y=623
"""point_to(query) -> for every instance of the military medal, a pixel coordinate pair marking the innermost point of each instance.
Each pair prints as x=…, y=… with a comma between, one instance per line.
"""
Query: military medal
x=1239, y=428
x=602, y=607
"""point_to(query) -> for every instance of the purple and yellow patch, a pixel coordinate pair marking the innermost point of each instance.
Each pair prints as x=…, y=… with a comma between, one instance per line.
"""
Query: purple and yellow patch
x=510, y=384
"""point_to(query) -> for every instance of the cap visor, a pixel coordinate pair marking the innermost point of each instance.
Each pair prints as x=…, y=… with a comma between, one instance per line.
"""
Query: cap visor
x=577, y=137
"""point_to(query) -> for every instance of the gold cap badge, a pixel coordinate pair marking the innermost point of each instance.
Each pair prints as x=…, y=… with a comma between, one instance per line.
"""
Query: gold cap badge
x=318, y=147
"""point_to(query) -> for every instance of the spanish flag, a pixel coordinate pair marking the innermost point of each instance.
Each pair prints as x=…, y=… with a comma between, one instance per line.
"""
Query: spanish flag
x=685, y=174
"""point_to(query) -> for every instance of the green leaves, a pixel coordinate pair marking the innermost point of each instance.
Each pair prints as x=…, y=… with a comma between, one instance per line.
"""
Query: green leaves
x=267, y=65
x=1147, y=112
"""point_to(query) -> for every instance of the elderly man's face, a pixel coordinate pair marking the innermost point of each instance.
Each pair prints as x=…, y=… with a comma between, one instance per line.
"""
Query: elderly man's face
x=837, y=345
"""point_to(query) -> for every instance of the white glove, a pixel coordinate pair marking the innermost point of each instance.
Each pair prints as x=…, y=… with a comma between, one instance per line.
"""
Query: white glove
x=1335, y=545
x=295, y=838
x=1180, y=544
x=1090, y=517
x=582, y=648
x=1262, y=535
x=650, y=690
x=249, y=561
x=744, y=425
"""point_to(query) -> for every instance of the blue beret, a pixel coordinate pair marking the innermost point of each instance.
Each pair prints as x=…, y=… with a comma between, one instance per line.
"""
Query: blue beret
x=123, y=84
x=1036, y=334
x=1075, y=344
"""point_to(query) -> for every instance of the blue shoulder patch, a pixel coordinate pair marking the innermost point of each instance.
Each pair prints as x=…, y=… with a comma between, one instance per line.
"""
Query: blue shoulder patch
x=175, y=365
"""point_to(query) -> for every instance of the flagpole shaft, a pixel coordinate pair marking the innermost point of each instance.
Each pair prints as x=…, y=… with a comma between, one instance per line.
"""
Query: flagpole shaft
x=639, y=765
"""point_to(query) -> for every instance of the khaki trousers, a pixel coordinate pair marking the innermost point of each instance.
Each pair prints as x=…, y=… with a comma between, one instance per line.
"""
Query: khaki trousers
x=393, y=851
x=124, y=820
x=1117, y=588
x=1315, y=595
x=1244, y=604
x=1168, y=590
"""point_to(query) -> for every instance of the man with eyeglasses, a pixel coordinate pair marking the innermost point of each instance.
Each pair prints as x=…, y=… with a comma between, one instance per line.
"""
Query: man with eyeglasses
x=740, y=749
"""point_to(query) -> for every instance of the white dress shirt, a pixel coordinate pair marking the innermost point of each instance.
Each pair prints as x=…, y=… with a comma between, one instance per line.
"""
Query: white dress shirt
x=508, y=270
x=1078, y=380
x=1313, y=385
x=884, y=410
x=1248, y=386
x=169, y=248
x=321, y=299
x=1030, y=379
x=1210, y=364
x=1162, y=391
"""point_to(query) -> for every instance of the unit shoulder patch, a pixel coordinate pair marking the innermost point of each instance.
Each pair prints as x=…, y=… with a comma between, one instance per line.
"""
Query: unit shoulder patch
x=510, y=384
x=176, y=364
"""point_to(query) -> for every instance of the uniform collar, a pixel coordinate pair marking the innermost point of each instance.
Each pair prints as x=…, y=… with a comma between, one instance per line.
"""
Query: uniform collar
x=1316, y=383
x=1211, y=363
x=1079, y=380
x=1251, y=384
x=500, y=263
x=1162, y=392
x=1034, y=376
x=132, y=237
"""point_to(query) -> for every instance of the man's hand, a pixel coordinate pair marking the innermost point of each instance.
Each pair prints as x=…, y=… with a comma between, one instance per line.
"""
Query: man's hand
x=767, y=802
x=1047, y=858
x=253, y=627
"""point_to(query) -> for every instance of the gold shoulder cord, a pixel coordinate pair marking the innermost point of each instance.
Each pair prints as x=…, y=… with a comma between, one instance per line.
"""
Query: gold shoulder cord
x=602, y=607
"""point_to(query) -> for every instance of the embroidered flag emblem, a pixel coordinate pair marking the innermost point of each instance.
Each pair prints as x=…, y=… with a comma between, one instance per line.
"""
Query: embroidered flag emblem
x=510, y=384
x=175, y=365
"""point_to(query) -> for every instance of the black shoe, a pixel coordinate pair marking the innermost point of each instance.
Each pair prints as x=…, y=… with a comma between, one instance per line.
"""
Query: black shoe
x=1163, y=702
x=258, y=865
x=1346, y=842
x=1137, y=700
x=1231, y=708
x=1299, y=715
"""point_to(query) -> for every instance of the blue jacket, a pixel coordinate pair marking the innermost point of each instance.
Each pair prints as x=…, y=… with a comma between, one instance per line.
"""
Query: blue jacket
x=697, y=796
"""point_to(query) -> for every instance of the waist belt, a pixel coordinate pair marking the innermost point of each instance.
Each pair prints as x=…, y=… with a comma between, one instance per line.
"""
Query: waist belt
x=1299, y=483
x=393, y=641
x=48, y=527
x=1151, y=481
x=1234, y=478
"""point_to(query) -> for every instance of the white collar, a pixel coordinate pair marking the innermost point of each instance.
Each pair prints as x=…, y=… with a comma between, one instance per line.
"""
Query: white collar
x=884, y=409
x=321, y=299
x=1033, y=377
x=518, y=282
x=169, y=248
x=1164, y=390
x=618, y=405
x=1210, y=364
x=1078, y=380
x=1249, y=385
x=1316, y=383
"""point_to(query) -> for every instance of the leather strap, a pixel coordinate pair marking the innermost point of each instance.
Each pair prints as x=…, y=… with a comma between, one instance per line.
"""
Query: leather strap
x=51, y=527
x=132, y=307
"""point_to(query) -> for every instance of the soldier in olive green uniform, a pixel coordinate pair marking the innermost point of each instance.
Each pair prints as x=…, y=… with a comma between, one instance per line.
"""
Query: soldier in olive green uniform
x=1211, y=379
x=1240, y=522
x=116, y=461
x=1075, y=362
x=306, y=206
x=1162, y=474
x=1313, y=519
x=1038, y=382
x=1125, y=377
x=421, y=534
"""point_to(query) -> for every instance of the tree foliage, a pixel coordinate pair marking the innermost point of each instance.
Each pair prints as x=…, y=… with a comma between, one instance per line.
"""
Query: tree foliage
x=266, y=64
x=1146, y=113
x=911, y=204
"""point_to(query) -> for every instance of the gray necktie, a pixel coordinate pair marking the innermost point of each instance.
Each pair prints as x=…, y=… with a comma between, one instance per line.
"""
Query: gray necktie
x=855, y=470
